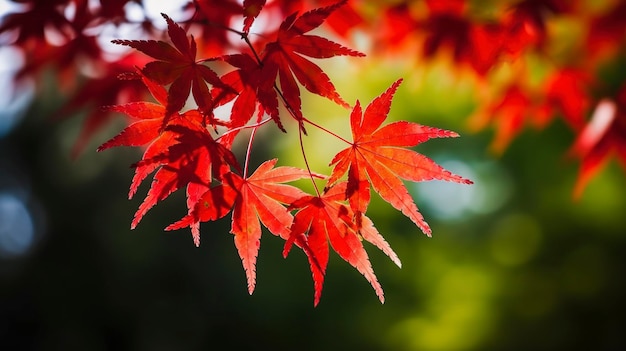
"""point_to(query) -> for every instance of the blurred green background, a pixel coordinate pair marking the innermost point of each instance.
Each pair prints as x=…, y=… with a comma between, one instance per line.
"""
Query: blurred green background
x=514, y=262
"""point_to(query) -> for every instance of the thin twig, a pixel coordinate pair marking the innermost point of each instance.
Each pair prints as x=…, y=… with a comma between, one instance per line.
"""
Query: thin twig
x=326, y=130
x=306, y=162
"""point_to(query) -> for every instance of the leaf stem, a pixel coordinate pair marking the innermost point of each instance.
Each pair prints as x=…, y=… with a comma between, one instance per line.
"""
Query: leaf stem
x=248, y=151
x=194, y=19
x=290, y=109
x=326, y=130
x=256, y=125
x=306, y=162
x=245, y=37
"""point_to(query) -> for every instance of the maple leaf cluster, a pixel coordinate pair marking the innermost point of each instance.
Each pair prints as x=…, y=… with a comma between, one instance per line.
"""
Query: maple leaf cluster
x=573, y=42
x=183, y=153
x=186, y=147
x=269, y=49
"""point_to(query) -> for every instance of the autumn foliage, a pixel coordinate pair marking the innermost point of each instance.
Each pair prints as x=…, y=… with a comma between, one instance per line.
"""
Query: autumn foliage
x=272, y=64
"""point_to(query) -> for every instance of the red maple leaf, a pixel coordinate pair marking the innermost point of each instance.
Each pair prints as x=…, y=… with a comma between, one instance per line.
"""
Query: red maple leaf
x=183, y=152
x=285, y=59
x=326, y=218
x=214, y=203
x=448, y=26
x=177, y=66
x=148, y=115
x=259, y=198
x=246, y=91
x=147, y=130
x=192, y=158
x=378, y=154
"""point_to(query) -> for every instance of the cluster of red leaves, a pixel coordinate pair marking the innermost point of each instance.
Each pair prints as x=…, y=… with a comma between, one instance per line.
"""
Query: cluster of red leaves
x=481, y=39
x=267, y=68
x=178, y=131
x=476, y=41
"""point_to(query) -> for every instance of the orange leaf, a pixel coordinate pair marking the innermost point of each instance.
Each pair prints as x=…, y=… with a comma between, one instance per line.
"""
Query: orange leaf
x=326, y=219
x=377, y=154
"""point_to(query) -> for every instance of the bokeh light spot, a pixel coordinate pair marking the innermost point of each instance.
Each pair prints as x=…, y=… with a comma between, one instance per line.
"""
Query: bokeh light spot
x=173, y=9
x=450, y=201
x=16, y=227
x=16, y=97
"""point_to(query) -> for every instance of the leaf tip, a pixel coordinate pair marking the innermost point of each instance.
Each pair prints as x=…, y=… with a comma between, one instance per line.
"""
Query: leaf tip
x=286, y=250
x=195, y=233
x=288, y=245
x=251, y=277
